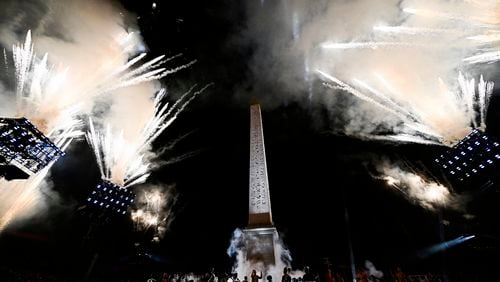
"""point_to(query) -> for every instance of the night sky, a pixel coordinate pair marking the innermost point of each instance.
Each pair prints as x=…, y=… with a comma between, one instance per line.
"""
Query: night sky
x=316, y=177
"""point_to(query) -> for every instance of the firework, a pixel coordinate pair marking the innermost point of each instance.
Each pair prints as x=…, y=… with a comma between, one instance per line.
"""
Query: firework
x=410, y=70
x=38, y=89
x=423, y=31
x=466, y=109
x=154, y=210
x=48, y=97
x=56, y=90
x=367, y=45
x=126, y=162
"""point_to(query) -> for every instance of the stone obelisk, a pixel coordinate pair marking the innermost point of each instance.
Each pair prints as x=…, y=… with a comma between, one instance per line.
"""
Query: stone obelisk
x=260, y=235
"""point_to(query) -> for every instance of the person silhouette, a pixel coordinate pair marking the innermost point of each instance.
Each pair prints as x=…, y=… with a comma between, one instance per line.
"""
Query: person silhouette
x=286, y=277
x=254, y=277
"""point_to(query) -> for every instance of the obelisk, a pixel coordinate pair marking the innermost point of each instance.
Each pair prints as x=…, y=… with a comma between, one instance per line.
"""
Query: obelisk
x=260, y=235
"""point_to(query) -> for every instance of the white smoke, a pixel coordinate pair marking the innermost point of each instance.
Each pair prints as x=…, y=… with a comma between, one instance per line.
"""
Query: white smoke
x=88, y=53
x=82, y=61
x=418, y=189
x=124, y=155
x=93, y=48
x=372, y=271
x=153, y=210
x=244, y=267
x=22, y=199
x=411, y=51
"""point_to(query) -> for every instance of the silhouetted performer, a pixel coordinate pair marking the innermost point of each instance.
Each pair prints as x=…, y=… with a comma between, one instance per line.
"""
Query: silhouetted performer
x=255, y=277
x=308, y=277
x=286, y=277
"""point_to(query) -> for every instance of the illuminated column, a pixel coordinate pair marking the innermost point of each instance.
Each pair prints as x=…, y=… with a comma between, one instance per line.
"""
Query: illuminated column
x=259, y=210
x=260, y=235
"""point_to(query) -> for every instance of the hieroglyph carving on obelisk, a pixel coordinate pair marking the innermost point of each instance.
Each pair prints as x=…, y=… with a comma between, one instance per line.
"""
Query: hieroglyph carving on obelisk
x=260, y=202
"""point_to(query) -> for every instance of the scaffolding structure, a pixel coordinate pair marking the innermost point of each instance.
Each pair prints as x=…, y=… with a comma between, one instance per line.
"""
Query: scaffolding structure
x=108, y=196
x=24, y=150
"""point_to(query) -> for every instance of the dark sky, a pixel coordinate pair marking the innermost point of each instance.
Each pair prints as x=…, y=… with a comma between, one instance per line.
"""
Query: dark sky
x=315, y=176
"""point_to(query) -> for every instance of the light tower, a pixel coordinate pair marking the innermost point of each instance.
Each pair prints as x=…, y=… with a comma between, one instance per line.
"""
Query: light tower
x=473, y=162
x=24, y=150
x=260, y=235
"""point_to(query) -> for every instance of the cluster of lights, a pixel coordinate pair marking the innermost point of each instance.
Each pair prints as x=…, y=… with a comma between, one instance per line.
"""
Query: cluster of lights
x=476, y=152
x=110, y=196
x=23, y=144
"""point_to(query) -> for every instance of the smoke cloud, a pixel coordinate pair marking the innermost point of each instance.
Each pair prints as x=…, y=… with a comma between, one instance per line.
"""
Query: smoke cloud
x=411, y=51
x=403, y=71
x=153, y=210
x=88, y=54
x=244, y=267
x=93, y=48
x=24, y=199
x=372, y=271
x=420, y=190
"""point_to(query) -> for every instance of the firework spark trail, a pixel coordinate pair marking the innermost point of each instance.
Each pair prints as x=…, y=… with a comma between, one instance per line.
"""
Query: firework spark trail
x=485, y=89
x=482, y=28
x=54, y=91
x=397, y=30
x=486, y=38
x=358, y=94
x=401, y=137
x=125, y=162
x=23, y=58
x=148, y=71
x=473, y=20
x=404, y=115
x=487, y=57
x=471, y=28
x=407, y=109
x=19, y=197
x=465, y=100
x=386, y=99
x=37, y=83
x=40, y=89
x=159, y=123
x=368, y=45
x=5, y=61
x=151, y=65
x=477, y=31
x=433, y=14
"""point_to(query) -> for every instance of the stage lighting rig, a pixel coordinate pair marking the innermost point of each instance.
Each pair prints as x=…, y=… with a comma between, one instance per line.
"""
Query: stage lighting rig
x=24, y=150
x=474, y=159
x=108, y=196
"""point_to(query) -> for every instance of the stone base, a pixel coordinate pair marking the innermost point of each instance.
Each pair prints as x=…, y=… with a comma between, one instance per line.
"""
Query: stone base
x=260, y=246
